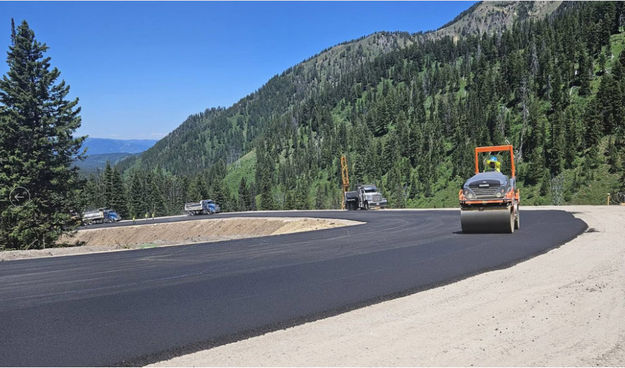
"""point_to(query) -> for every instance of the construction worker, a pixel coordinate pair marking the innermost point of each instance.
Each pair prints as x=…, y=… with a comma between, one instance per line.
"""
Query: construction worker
x=492, y=164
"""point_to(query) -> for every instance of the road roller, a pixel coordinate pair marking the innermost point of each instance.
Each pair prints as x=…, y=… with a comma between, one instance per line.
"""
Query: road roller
x=489, y=200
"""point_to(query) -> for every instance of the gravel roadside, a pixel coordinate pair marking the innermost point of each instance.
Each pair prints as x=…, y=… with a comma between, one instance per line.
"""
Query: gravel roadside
x=563, y=308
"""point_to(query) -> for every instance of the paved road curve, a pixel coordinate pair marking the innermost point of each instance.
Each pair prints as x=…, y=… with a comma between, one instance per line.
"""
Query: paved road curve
x=141, y=306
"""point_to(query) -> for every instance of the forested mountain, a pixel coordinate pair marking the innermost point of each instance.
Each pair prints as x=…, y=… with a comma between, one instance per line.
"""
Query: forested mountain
x=407, y=110
x=226, y=134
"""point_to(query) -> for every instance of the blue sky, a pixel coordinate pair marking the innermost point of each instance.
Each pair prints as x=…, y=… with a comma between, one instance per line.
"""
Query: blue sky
x=140, y=68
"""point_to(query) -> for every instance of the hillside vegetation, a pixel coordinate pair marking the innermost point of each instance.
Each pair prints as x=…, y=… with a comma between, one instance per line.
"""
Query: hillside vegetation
x=407, y=111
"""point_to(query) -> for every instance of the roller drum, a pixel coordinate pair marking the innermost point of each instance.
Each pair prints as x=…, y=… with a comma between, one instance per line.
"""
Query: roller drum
x=487, y=220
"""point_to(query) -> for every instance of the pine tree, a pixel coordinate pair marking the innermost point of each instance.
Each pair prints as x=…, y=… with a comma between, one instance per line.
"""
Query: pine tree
x=289, y=200
x=137, y=194
x=197, y=190
x=584, y=74
x=301, y=195
x=221, y=196
x=118, y=198
x=557, y=98
x=154, y=197
x=557, y=145
x=107, y=185
x=614, y=159
x=243, y=200
x=37, y=147
x=320, y=197
x=602, y=62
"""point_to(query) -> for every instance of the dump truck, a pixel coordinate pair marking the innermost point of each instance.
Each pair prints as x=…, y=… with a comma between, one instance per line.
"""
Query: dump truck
x=364, y=197
x=100, y=216
x=203, y=207
x=489, y=200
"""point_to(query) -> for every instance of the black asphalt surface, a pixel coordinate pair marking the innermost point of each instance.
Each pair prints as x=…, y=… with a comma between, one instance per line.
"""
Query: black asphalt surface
x=141, y=306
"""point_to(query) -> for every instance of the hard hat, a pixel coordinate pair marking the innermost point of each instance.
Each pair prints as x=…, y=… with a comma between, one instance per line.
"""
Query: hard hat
x=493, y=158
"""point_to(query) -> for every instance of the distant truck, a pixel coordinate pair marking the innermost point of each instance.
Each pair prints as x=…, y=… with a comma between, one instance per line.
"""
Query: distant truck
x=203, y=207
x=364, y=198
x=100, y=216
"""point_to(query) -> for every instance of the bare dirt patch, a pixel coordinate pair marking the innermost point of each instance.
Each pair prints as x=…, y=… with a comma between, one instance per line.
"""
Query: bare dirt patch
x=177, y=233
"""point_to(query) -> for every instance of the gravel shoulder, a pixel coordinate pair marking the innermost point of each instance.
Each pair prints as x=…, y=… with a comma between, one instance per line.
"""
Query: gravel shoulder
x=563, y=308
x=176, y=233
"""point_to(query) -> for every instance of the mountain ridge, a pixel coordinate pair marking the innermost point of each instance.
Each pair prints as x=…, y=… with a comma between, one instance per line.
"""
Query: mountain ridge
x=97, y=146
x=195, y=137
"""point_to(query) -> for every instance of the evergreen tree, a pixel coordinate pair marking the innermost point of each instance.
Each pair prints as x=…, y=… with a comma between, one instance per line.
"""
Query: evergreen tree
x=610, y=98
x=137, y=194
x=221, y=196
x=614, y=159
x=320, y=196
x=243, y=200
x=155, y=200
x=37, y=147
x=602, y=61
x=301, y=196
x=584, y=71
x=107, y=185
x=197, y=190
x=118, y=198
x=289, y=200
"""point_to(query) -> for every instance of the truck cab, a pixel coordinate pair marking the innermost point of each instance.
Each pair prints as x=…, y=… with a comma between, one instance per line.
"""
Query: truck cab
x=369, y=197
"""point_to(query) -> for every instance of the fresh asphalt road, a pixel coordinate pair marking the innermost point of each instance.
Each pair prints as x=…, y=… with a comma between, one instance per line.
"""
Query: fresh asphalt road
x=141, y=306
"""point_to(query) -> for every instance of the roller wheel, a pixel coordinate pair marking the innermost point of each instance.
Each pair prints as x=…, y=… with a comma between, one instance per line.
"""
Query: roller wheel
x=512, y=223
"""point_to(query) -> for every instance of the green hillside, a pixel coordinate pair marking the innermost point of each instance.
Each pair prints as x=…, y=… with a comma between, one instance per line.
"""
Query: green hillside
x=407, y=111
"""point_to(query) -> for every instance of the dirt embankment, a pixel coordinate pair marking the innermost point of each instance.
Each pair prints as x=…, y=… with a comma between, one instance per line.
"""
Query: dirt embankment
x=563, y=308
x=177, y=233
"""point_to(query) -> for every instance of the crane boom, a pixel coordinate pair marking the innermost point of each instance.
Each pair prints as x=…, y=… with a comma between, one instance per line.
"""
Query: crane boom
x=345, y=178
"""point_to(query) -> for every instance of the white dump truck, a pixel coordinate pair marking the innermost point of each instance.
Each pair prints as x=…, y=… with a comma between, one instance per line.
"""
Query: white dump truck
x=364, y=198
x=203, y=207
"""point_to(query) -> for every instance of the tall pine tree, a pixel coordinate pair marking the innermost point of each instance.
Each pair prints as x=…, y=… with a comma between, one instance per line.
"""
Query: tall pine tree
x=37, y=147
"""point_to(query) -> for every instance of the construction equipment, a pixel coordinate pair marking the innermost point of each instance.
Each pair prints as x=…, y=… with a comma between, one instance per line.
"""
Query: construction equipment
x=345, y=178
x=99, y=216
x=364, y=197
x=203, y=207
x=489, y=201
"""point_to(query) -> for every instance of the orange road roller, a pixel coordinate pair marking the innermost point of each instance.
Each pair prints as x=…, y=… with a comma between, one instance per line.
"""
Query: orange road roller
x=489, y=200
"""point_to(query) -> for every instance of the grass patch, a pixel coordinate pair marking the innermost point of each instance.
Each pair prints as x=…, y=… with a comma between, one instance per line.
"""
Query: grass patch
x=244, y=167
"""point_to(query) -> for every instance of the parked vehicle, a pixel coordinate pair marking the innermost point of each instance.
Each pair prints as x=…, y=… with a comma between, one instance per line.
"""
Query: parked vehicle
x=203, y=207
x=364, y=197
x=100, y=216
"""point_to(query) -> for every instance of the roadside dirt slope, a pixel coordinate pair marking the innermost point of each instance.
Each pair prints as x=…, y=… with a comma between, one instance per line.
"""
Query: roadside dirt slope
x=178, y=233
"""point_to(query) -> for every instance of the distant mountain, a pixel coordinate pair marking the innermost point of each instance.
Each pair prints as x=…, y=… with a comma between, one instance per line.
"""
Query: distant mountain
x=97, y=146
x=93, y=163
x=101, y=150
